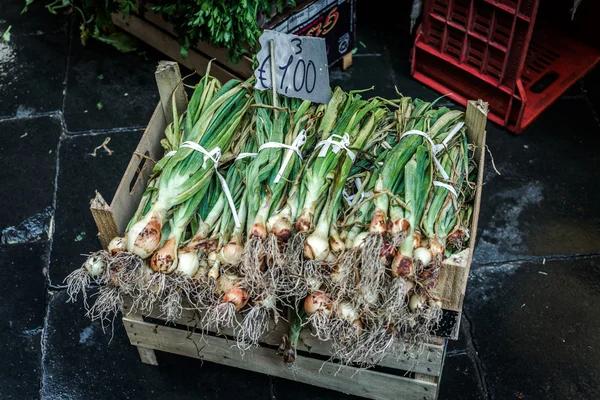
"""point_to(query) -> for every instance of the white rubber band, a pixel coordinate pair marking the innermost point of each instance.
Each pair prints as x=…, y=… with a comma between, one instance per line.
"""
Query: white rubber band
x=350, y=197
x=336, y=145
x=447, y=187
x=439, y=147
x=434, y=150
x=294, y=147
x=298, y=142
x=214, y=155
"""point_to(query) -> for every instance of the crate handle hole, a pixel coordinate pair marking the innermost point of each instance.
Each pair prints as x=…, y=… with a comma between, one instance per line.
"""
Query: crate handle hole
x=138, y=171
x=544, y=82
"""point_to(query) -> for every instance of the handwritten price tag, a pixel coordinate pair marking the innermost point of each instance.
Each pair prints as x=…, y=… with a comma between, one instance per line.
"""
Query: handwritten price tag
x=301, y=68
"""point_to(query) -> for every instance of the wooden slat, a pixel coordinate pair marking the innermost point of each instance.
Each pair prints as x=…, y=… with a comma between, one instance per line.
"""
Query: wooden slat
x=453, y=278
x=147, y=356
x=170, y=88
x=366, y=383
x=347, y=61
x=104, y=219
x=427, y=361
x=125, y=202
x=168, y=45
x=243, y=67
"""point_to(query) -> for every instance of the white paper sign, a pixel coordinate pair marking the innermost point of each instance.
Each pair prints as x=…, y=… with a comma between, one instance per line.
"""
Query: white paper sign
x=301, y=68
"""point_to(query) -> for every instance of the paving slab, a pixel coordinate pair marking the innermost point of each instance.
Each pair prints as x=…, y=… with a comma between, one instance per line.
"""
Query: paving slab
x=287, y=389
x=461, y=380
x=28, y=165
x=22, y=299
x=107, y=88
x=366, y=72
x=546, y=201
x=32, y=72
x=399, y=48
x=591, y=87
x=80, y=361
x=535, y=328
x=35, y=21
x=80, y=175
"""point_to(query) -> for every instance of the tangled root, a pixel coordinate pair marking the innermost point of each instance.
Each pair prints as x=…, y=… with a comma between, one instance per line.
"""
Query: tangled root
x=273, y=253
x=374, y=345
x=177, y=288
x=253, y=326
x=170, y=304
x=220, y=316
x=250, y=268
x=295, y=253
x=428, y=320
x=125, y=270
x=314, y=270
x=395, y=306
x=202, y=294
x=347, y=339
x=323, y=324
x=153, y=289
x=109, y=302
x=372, y=271
x=77, y=282
x=80, y=279
x=343, y=277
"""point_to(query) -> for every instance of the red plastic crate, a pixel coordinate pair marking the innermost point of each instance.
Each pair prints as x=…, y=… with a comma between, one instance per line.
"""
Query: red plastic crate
x=490, y=50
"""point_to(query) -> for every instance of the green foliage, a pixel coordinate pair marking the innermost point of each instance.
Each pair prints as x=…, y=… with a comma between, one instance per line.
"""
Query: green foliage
x=226, y=24
x=6, y=35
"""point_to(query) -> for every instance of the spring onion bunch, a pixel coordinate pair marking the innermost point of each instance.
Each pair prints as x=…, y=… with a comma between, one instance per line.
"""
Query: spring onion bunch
x=341, y=214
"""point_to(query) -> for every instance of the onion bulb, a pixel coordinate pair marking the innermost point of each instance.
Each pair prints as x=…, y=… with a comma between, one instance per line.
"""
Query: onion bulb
x=316, y=246
x=409, y=285
x=359, y=240
x=434, y=303
x=417, y=240
x=387, y=253
x=117, y=244
x=422, y=255
x=280, y=226
x=402, y=266
x=165, y=259
x=398, y=227
x=436, y=248
x=226, y=282
x=144, y=236
x=346, y=311
x=358, y=324
x=213, y=272
x=313, y=283
x=236, y=296
x=336, y=244
x=188, y=262
x=231, y=253
x=94, y=266
x=317, y=301
x=417, y=302
x=378, y=225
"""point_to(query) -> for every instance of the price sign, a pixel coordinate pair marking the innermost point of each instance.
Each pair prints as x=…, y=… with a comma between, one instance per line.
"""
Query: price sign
x=301, y=68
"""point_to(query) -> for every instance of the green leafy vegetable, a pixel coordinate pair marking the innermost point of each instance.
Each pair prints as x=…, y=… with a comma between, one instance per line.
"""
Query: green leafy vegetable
x=234, y=25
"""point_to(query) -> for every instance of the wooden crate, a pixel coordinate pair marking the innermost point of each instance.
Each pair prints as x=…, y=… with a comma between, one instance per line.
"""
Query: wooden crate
x=152, y=29
x=411, y=377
